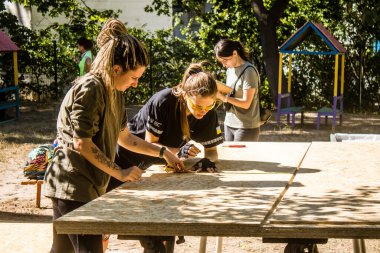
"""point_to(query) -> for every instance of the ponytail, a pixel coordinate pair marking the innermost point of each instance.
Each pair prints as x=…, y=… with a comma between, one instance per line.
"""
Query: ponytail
x=116, y=47
x=195, y=82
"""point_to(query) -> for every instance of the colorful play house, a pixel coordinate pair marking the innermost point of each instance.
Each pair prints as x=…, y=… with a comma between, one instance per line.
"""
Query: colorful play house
x=6, y=46
x=288, y=47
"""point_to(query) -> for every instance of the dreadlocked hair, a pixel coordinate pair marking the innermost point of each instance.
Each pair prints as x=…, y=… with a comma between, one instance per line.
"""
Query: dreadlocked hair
x=195, y=82
x=117, y=47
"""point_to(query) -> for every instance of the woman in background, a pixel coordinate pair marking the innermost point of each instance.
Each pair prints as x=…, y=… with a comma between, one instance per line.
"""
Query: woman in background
x=86, y=58
x=242, y=121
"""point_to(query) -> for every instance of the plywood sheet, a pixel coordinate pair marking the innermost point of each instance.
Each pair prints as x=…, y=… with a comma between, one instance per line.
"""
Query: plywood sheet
x=343, y=190
x=231, y=202
x=282, y=153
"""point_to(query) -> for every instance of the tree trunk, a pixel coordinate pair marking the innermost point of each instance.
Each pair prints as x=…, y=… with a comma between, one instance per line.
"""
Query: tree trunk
x=268, y=21
x=270, y=56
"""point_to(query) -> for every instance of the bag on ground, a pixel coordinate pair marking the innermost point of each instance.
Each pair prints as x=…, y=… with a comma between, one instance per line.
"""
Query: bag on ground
x=38, y=161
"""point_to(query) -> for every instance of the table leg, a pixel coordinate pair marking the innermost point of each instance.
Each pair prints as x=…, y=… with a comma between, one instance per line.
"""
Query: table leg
x=38, y=194
x=202, y=244
x=355, y=243
x=359, y=245
x=219, y=246
x=362, y=246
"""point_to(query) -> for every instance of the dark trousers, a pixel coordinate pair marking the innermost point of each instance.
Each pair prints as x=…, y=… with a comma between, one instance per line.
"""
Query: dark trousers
x=125, y=159
x=63, y=243
x=241, y=134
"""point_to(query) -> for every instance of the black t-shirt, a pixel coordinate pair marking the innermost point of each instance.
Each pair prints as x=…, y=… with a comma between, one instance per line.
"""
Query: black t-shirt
x=161, y=117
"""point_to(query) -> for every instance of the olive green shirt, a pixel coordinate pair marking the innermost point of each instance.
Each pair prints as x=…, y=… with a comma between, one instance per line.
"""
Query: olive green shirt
x=85, y=113
x=82, y=63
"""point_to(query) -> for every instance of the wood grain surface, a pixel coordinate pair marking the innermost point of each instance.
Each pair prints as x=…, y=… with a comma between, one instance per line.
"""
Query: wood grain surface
x=334, y=194
x=341, y=196
x=247, y=183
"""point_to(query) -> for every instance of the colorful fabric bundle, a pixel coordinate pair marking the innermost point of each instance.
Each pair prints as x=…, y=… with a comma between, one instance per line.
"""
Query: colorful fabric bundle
x=38, y=161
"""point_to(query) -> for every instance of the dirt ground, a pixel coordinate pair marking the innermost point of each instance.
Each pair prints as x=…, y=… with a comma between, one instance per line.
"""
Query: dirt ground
x=26, y=228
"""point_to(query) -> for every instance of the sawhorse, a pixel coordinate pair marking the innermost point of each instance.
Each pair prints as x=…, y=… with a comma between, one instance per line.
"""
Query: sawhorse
x=38, y=183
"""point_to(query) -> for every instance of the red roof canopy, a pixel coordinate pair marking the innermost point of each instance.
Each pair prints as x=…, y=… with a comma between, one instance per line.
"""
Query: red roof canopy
x=6, y=44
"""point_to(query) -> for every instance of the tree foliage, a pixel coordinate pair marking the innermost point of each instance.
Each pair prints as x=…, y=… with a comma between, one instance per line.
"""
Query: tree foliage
x=169, y=58
x=354, y=23
x=43, y=51
x=261, y=25
x=169, y=55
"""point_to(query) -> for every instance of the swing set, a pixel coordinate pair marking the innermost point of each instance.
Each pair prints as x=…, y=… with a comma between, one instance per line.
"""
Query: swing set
x=288, y=47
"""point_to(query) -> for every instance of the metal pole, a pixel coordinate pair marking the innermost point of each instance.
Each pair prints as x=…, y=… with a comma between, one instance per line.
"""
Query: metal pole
x=15, y=68
x=202, y=244
x=151, y=67
x=55, y=69
x=356, y=245
x=361, y=77
x=219, y=245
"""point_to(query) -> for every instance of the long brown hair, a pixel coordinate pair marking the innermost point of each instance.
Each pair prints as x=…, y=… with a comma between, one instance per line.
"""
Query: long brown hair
x=117, y=47
x=195, y=82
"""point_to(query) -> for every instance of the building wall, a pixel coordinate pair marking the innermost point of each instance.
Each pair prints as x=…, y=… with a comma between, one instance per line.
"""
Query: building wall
x=23, y=14
x=133, y=13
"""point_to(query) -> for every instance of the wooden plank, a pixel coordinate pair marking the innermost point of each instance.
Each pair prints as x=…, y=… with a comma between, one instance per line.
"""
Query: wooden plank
x=32, y=182
x=280, y=230
x=231, y=202
x=341, y=196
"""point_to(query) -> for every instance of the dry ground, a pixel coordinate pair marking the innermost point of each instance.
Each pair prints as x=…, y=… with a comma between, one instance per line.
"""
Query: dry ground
x=26, y=228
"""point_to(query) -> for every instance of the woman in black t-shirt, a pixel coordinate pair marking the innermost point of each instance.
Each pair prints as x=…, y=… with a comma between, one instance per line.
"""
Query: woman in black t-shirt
x=173, y=117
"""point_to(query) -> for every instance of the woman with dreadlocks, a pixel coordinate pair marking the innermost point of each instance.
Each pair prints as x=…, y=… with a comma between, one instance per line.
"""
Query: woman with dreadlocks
x=91, y=121
x=174, y=116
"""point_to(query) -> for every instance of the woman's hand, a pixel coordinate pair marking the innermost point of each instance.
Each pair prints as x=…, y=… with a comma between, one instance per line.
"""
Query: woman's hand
x=173, y=160
x=131, y=174
x=188, y=151
x=204, y=165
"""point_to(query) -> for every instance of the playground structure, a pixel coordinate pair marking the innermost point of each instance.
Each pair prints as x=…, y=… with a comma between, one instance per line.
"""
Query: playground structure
x=7, y=45
x=288, y=47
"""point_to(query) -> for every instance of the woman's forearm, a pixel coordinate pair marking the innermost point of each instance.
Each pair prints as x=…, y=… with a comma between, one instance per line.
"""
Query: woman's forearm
x=149, y=137
x=135, y=144
x=96, y=157
x=211, y=154
x=244, y=102
x=138, y=145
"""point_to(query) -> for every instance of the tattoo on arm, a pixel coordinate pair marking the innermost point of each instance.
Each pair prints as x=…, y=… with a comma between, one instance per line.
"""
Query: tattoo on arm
x=100, y=157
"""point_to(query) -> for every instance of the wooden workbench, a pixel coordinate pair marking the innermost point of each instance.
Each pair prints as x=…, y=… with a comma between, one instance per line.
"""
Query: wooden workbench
x=342, y=200
x=276, y=190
